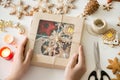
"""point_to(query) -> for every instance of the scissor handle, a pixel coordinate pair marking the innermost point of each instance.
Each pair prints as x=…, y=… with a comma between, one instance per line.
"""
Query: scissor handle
x=94, y=74
x=103, y=73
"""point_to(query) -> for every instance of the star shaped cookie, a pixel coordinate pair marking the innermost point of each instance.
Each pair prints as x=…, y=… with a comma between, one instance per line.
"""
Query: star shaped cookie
x=19, y=10
x=114, y=65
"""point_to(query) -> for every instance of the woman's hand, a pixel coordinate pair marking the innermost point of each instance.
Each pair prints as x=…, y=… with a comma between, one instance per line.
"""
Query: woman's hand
x=76, y=66
x=20, y=62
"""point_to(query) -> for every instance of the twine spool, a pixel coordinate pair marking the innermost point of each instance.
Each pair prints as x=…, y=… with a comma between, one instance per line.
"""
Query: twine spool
x=99, y=26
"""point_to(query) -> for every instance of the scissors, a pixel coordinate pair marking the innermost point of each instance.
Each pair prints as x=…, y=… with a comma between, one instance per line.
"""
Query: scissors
x=98, y=66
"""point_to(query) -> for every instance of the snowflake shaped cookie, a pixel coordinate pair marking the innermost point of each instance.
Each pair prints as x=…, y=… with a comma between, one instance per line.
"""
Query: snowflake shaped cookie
x=5, y=3
x=43, y=6
x=55, y=45
x=19, y=10
x=64, y=6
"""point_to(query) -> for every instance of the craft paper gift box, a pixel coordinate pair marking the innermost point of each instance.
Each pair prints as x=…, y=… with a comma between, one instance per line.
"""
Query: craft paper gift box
x=54, y=38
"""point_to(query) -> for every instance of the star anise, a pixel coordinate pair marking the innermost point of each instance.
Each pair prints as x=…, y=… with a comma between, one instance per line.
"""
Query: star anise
x=107, y=7
x=5, y=3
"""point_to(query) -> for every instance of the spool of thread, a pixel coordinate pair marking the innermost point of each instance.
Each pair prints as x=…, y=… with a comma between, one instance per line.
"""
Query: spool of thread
x=99, y=26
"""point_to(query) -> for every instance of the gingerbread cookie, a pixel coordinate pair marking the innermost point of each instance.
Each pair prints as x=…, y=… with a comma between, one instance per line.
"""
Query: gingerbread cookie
x=19, y=10
x=42, y=6
x=117, y=77
x=114, y=65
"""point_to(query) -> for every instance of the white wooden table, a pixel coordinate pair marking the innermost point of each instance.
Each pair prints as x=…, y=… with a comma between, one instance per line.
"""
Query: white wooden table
x=106, y=52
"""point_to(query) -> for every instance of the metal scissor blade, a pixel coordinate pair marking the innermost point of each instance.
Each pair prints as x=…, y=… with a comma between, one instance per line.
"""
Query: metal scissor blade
x=97, y=55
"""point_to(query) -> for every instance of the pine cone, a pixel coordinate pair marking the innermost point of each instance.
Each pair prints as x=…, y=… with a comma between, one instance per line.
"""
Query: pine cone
x=91, y=7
